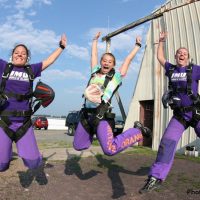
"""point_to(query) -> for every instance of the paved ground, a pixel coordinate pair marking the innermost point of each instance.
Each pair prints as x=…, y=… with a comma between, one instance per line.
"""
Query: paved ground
x=89, y=175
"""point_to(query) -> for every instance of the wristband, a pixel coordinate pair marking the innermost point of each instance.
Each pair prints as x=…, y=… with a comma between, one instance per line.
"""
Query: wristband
x=138, y=44
x=61, y=46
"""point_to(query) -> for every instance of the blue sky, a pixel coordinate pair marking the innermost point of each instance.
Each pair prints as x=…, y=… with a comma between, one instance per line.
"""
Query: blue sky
x=39, y=24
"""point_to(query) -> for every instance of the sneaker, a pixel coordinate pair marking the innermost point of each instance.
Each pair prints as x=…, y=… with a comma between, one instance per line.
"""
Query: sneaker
x=152, y=183
x=146, y=132
x=138, y=124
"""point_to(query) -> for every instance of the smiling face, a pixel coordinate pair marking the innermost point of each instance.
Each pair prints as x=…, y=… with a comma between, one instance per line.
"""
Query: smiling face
x=20, y=55
x=182, y=57
x=107, y=63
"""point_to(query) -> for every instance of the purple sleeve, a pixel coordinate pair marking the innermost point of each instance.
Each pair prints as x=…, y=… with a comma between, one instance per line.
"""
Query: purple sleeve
x=2, y=66
x=196, y=69
x=37, y=69
x=167, y=66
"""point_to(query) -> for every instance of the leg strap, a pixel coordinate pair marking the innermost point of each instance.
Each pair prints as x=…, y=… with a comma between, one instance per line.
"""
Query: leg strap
x=84, y=122
x=181, y=119
x=21, y=131
x=8, y=131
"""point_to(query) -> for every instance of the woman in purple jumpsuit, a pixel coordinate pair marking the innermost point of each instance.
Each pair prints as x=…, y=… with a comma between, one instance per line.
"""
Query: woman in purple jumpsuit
x=18, y=83
x=183, y=116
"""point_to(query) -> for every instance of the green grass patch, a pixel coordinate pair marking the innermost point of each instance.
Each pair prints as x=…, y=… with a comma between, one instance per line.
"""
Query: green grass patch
x=191, y=158
x=50, y=145
x=142, y=150
x=95, y=142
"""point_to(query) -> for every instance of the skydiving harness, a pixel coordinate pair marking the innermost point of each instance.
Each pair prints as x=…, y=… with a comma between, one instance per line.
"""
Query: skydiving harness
x=178, y=110
x=5, y=114
x=103, y=111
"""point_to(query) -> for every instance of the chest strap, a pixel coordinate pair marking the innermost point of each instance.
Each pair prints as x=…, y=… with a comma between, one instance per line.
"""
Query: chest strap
x=16, y=113
x=5, y=76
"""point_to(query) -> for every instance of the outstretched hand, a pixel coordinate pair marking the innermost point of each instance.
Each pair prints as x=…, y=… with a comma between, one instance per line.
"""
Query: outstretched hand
x=163, y=36
x=63, y=40
x=97, y=35
x=138, y=39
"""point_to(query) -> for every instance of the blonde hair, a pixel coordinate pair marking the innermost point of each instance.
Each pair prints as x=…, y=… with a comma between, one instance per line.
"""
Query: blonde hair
x=183, y=48
x=109, y=54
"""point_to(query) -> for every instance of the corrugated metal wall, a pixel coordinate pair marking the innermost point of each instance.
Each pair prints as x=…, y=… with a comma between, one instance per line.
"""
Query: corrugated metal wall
x=183, y=27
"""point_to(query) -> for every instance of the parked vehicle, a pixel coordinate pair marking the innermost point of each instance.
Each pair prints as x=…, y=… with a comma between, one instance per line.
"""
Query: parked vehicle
x=40, y=122
x=73, y=118
x=72, y=121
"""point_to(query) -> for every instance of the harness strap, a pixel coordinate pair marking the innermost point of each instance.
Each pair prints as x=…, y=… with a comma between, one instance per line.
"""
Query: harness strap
x=21, y=131
x=8, y=131
x=36, y=106
x=19, y=97
x=5, y=76
x=184, y=109
x=171, y=71
x=90, y=114
x=84, y=122
x=15, y=113
x=31, y=77
x=195, y=116
x=109, y=77
x=189, y=79
x=103, y=108
x=181, y=119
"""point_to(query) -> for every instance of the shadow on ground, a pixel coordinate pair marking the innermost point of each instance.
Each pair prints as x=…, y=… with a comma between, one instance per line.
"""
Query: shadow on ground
x=98, y=177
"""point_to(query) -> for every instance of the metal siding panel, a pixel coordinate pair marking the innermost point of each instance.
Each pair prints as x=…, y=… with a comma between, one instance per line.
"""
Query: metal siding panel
x=182, y=31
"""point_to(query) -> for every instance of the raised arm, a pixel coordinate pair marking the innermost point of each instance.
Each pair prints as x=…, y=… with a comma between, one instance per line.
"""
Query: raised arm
x=51, y=59
x=94, y=53
x=128, y=59
x=160, y=50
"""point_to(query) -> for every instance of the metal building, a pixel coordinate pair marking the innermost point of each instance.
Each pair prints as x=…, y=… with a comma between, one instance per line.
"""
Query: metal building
x=182, y=22
x=181, y=19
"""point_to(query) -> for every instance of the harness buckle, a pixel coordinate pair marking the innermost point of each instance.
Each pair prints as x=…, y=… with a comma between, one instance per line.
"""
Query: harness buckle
x=190, y=93
x=99, y=116
x=196, y=112
x=109, y=75
x=5, y=76
x=31, y=77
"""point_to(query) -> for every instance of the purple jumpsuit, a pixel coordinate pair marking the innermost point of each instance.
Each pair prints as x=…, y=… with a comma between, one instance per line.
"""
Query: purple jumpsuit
x=18, y=82
x=175, y=129
x=110, y=145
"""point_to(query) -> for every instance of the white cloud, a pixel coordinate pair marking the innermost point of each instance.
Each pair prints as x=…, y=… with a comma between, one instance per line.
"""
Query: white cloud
x=24, y=4
x=123, y=41
x=23, y=32
x=77, y=51
x=3, y=2
x=126, y=40
x=18, y=28
x=56, y=74
x=75, y=90
x=47, y=2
